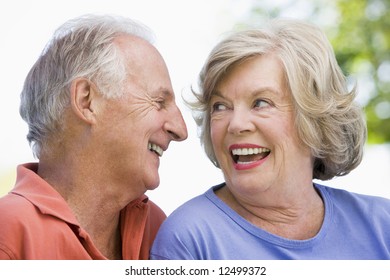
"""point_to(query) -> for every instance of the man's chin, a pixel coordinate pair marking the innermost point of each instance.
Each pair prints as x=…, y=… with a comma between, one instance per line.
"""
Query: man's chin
x=153, y=185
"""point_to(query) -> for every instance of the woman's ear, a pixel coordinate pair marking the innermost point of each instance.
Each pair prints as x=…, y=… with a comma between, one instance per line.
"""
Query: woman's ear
x=83, y=94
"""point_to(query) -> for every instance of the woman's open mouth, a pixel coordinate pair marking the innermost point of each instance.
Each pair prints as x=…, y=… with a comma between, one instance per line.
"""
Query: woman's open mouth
x=248, y=157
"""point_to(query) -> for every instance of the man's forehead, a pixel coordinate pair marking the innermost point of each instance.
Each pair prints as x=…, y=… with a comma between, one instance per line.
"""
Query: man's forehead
x=129, y=38
x=134, y=46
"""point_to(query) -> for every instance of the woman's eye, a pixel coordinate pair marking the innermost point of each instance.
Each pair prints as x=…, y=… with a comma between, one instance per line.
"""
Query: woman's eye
x=219, y=107
x=260, y=103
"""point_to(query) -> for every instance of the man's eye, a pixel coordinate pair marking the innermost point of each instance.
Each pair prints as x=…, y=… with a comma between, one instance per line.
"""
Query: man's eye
x=160, y=103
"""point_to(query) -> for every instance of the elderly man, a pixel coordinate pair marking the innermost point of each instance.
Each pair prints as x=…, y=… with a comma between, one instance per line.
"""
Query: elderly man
x=101, y=111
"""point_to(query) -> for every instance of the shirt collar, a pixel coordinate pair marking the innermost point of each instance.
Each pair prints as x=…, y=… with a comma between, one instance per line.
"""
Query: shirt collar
x=49, y=202
x=36, y=190
x=40, y=193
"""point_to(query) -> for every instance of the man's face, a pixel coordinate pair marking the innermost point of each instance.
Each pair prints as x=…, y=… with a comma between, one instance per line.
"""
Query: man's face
x=137, y=128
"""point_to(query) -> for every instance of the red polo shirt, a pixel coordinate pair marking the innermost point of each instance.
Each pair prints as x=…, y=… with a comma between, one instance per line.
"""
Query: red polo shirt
x=37, y=223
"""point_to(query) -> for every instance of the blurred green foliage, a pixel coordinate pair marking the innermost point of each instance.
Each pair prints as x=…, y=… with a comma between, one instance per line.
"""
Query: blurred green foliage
x=359, y=31
x=362, y=45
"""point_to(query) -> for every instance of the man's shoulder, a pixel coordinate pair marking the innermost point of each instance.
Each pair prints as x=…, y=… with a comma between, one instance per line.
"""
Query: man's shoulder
x=16, y=219
x=155, y=211
x=18, y=215
x=14, y=206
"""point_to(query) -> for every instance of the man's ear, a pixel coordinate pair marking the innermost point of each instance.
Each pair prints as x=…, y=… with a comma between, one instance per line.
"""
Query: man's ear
x=83, y=94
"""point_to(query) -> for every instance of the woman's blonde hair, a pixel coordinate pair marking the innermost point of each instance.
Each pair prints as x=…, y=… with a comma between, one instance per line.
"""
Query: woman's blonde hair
x=327, y=119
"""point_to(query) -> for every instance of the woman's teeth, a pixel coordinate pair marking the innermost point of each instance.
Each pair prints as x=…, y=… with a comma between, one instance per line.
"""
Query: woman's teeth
x=155, y=148
x=249, y=155
x=249, y=151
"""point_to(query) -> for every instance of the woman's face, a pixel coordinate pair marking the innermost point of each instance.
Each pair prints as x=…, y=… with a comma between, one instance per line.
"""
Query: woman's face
x=252, y=130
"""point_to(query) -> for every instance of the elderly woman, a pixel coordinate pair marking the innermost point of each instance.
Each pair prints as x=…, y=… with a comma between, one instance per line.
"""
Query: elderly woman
x=275, y=113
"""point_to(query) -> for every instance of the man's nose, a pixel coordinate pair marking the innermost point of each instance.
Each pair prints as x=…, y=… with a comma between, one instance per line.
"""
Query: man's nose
x=175, y=125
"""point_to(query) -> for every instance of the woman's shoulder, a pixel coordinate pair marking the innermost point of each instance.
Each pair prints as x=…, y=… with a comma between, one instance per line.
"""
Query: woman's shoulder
x=359, y=202
x=201, y=208
x=188, y=228
x=200, y=204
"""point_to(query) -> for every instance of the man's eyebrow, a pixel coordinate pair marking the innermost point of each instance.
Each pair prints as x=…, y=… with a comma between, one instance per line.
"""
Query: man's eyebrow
x=164, y=91
x=168, y=93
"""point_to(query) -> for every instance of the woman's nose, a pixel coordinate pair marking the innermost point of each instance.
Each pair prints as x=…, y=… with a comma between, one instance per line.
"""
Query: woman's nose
x=240, y=122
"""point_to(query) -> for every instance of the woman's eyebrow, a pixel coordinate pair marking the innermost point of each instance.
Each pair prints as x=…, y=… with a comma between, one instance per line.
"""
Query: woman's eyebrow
x=217, y=93
x=255, y=92
x=263, y=90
